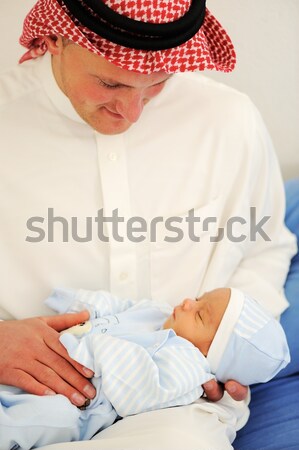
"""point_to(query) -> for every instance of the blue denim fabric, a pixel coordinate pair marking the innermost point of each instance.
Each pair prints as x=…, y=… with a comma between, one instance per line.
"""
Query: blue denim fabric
x=274, y=420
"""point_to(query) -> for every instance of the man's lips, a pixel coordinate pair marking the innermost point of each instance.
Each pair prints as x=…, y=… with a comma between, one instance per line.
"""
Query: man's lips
x=113, y=114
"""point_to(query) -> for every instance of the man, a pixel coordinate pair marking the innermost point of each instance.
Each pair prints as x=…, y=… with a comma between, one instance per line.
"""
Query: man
x=117, y=174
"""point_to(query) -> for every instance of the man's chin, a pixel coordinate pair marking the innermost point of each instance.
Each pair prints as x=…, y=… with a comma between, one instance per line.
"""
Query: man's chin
x=109, y=127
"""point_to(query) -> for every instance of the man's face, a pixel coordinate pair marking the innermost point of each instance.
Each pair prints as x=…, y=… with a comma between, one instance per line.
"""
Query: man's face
x=198, y=320
x=108, y=98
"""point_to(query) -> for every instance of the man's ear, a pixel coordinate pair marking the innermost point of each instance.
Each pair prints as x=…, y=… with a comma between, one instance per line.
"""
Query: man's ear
x=54, y=44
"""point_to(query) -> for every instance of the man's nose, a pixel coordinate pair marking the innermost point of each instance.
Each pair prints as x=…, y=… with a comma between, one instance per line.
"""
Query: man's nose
x=130, y=105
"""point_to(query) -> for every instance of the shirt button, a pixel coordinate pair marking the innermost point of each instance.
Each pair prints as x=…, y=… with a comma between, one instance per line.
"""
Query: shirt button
x=112, y=156
x=123, y=276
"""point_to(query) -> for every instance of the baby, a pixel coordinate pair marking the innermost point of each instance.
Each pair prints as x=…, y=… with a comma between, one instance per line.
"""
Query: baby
x=145, y=356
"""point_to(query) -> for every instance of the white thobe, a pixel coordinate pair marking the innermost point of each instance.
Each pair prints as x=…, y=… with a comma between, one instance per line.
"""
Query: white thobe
x=199, y=148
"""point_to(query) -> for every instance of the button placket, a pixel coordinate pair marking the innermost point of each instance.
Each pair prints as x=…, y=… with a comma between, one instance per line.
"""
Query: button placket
x=112, y=156
x=116, y=200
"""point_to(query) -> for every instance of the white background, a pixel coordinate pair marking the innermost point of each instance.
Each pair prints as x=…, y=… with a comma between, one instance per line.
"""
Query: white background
x=266, y=37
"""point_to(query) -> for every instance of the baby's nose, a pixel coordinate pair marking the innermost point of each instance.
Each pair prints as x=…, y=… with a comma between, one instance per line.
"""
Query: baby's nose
x=187, y=304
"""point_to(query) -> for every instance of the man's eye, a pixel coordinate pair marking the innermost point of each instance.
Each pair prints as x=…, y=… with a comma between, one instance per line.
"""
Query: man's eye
x=108, y=86
x=199, y=316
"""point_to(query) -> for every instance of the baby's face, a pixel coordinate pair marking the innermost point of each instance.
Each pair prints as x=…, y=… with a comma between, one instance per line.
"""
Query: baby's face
x=198, y=320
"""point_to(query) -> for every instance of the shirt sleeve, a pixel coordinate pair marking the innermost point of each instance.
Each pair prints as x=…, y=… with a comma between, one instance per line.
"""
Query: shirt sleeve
x=266, y=254
x=253, y=248
x=135, y=382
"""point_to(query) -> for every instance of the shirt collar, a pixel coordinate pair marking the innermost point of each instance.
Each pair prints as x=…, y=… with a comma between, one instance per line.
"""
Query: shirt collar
x=52, y=90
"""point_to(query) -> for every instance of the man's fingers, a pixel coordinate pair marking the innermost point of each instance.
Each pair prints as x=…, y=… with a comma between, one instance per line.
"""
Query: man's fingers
x=29, y=384
x=213, y=390
x=54, y=344
x=33, y=359
x=50, y=377
x=49, y=383
x=236, y=390
x=61, y=376
x=64, y=321
x=60, y=323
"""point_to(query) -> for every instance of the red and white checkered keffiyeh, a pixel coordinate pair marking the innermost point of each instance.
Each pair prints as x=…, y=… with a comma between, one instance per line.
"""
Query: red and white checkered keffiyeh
x=210, y=47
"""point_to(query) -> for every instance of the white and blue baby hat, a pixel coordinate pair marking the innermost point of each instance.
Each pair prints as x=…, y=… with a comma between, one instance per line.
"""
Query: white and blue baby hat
x=250, y=346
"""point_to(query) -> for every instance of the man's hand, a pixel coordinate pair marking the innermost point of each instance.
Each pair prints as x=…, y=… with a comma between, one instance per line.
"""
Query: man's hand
x=214, y=391
x=33, y=359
